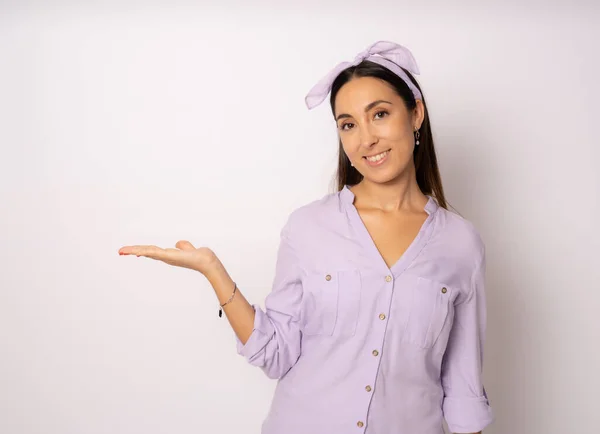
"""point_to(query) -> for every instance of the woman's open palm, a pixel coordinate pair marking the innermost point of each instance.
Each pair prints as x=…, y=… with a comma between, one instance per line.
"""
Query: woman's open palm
x=183, y=255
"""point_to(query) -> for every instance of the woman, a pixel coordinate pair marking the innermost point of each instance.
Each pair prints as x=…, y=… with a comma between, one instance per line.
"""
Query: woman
x=376, y=319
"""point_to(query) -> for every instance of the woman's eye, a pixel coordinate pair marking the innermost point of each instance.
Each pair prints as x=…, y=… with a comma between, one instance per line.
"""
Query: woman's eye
x=349, y=125
x=383, y=113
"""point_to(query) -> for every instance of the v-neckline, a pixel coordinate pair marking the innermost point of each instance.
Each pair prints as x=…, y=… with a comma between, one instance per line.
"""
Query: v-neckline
x=366, y=239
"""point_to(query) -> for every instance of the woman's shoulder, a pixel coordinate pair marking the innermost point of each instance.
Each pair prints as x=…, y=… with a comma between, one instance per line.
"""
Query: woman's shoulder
x=456, y=246
x=328, y=203
x=459, y=232
x=316, y=212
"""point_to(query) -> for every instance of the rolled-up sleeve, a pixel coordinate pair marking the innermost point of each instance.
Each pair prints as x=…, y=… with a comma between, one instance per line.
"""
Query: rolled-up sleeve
x=275, y=342
x=466, y=407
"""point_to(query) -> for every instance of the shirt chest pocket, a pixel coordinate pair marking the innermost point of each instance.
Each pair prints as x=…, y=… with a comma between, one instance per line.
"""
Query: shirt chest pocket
x=428, y=311
x=331, y=303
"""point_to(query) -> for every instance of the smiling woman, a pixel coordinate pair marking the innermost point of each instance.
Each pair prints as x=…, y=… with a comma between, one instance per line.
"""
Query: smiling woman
x=393, y=117
x=376, y=320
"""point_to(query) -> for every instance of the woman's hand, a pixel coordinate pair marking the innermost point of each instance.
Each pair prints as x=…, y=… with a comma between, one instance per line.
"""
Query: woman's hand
x=183, y=255
x=239, y=312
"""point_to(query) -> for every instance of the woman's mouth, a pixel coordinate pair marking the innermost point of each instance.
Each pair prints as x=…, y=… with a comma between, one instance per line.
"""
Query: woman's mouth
x=376, y=160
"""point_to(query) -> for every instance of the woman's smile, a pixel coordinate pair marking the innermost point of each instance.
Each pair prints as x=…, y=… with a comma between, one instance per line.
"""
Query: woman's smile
x=377, y=159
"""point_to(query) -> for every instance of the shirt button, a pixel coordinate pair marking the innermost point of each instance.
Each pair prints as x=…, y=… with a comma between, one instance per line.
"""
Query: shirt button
x=375, y=353
x=444, y=290
x=328, y=277
x=382, y=316
x=360, y=424
x=368, y=388
x=388, y=278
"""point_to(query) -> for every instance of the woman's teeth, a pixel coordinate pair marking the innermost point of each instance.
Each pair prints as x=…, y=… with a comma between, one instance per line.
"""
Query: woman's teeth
x=377, y=157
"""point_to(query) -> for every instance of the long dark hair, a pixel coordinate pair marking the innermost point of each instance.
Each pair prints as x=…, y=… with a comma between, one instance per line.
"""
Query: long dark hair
x=428, y=174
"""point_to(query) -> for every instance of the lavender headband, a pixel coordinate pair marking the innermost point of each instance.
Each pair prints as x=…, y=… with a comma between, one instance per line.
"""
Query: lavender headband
x=387, y=54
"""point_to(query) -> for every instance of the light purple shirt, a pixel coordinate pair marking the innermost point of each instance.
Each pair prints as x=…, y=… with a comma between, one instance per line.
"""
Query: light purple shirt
x=358, y=347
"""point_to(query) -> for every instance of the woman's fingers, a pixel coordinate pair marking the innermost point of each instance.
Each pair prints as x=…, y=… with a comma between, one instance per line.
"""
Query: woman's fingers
x=180, y=257
x=184, y=245
x=153, y=252
x=183, y=255
x=127, y=250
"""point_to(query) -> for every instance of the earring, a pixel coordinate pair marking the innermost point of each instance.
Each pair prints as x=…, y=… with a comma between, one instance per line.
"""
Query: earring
x=417, y=135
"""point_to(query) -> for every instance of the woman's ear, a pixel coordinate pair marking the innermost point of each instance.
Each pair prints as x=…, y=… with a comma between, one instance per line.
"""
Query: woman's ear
x=418, y=114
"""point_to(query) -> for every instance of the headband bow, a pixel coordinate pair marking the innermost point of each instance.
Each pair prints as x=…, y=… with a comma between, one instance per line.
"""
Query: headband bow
x=387, y=54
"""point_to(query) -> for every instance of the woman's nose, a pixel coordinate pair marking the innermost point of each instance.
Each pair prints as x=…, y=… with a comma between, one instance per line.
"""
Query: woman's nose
x=367, y=136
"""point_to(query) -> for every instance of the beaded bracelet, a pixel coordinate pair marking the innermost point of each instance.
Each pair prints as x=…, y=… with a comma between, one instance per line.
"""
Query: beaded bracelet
x=228, y=301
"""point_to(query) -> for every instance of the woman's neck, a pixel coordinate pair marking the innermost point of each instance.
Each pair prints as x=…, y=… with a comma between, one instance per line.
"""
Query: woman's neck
x=389, y=197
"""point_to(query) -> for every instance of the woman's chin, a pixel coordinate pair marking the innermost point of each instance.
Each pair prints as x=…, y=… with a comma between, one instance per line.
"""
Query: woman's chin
x=382, y=177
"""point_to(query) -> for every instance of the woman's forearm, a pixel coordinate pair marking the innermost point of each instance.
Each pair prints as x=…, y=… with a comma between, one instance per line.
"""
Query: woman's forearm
x=239, y=312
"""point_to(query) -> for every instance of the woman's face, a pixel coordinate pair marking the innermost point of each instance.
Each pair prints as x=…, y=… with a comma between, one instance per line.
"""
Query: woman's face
x=376, y=129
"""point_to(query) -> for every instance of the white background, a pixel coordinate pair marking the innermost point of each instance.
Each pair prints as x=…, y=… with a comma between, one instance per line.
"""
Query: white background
x=150, y=122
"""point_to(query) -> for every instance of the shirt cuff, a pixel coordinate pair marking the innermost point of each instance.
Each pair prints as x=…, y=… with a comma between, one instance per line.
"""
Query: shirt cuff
x=262, y=332
x=467, y=415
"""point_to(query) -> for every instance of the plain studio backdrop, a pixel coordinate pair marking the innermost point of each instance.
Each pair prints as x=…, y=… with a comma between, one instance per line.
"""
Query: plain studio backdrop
x=147, y=123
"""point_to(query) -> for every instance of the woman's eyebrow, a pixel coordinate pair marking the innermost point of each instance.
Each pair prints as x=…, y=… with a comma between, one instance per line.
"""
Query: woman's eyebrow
x=367, y=108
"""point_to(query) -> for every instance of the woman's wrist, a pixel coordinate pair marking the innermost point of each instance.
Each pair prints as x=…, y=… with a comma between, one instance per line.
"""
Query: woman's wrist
x=211, y=267
x=217, y=275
